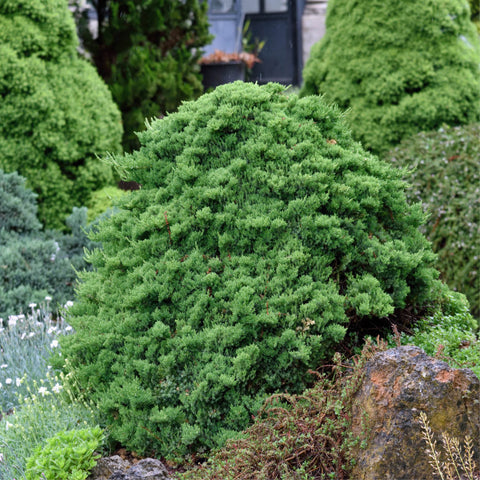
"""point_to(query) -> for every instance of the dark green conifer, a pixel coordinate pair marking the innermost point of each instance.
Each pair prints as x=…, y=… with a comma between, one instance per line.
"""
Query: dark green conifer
x=399, y=67
x=56, y=114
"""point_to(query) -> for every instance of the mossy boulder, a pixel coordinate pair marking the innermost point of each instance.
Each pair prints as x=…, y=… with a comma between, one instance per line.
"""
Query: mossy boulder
x=399, y=67
x=261, y=232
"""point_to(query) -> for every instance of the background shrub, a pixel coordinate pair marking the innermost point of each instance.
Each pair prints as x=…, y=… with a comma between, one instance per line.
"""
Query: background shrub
x=444, y=173
x=34, y=263
x=260, y=231
x=56, y=114
x=400, y=67
x=147, y=53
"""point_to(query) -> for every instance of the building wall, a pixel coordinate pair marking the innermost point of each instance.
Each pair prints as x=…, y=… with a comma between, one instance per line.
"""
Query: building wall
x=313, y=24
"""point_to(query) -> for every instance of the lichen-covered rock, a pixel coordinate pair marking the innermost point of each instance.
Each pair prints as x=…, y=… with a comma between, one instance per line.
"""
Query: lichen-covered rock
x=107, y=466
x=398, y=385
x=117, y=468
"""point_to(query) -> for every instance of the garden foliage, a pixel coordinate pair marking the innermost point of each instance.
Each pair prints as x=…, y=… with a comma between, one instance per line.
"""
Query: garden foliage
x=147, y=52
x=260, y=232
x=35, y=263
x=56, y=113
x=399, y=67
x=69, y=455
x=444, y=173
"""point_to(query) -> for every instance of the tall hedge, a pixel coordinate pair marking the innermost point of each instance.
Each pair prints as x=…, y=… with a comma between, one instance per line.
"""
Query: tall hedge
x=56, y=114
x=260, y=233
x=147, y=53
x=399, y=67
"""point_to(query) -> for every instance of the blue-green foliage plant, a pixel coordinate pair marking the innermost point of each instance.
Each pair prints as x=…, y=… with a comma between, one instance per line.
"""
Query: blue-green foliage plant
x=444, y=175
x=261, y=231
x=56, y=114
x=398, y=67
x=35, y=263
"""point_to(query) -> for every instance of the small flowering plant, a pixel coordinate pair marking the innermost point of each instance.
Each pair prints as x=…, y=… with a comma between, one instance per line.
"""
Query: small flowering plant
x=219, y=56
x=26, y=344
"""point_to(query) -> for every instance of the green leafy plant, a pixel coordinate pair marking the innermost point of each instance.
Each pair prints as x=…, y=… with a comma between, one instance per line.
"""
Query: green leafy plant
x=69, y=455
x=262, y=231
x=453, y=461
x=398, y=67
x=56, y=113
x=443, y=173
x=147, y=53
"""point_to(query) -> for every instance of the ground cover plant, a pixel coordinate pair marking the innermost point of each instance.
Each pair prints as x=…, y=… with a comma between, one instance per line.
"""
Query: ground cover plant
x=444, y=174
x=262, y=231
x=56, y=113
x=399, y=67
x=450, y=333
x=147, y=53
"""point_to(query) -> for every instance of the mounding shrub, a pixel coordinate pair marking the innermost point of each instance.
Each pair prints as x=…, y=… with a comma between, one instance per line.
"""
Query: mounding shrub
x=399, y=67
x=56, y=113
x=445, y=177
x=260, y=232
x=34, y=263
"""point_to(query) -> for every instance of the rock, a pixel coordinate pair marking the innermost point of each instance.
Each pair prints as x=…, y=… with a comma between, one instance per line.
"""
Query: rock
x=398, y=385
x=116, y=468
x=107, y=466
x=146, y=469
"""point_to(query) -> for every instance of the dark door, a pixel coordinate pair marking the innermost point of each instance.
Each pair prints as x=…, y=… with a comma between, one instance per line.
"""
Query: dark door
x=275, y=22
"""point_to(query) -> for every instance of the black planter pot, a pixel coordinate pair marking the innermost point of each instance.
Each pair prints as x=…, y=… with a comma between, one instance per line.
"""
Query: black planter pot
x=215, y=74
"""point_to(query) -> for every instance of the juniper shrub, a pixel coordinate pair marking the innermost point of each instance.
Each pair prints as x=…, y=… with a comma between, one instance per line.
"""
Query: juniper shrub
x=260, y=232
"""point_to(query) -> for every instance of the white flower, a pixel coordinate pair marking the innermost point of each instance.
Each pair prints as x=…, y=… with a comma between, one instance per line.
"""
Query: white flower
x=1, y=457
x=49, y=367
x=56, y=388
x=23, y=336
x=1, y=385
x=48, y=299
x=18, y=382
x=32, y=305
x=4, y=365
x=8, y=425
x=43, y=391
x=8, y=381
x=21, y=317
x=54, y=344
x=31, y=334
x=69, y=304
x=68, y=329
x=12, y=320
x=51, y=330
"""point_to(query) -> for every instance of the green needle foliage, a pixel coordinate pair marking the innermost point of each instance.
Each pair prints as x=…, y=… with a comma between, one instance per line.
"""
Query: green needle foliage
x=400, y=67
x=260, y=232
x=444, y=175
x=56, y=114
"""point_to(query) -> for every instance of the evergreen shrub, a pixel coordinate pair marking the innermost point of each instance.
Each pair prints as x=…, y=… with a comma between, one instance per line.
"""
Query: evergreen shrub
x=399, y=67
x=147, y=53
x=444, y=174
x=56, y=113
x=35, y=263
x=261, y=231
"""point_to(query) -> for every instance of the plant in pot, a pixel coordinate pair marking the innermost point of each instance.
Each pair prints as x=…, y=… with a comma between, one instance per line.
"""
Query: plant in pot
x=221, y=67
